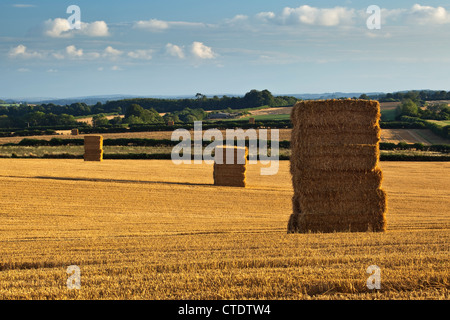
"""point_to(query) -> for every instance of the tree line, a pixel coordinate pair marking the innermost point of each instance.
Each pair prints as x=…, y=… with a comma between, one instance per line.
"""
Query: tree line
x=137, y=111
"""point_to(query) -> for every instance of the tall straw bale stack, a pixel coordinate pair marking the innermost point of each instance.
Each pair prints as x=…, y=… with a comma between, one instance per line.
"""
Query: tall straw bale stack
x=230, y=166
x=251, y=120
x=334, y=167
x=74, y=132
x=93, y=148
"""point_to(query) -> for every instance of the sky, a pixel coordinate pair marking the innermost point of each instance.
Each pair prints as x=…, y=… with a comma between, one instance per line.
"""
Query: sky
x=184, y=47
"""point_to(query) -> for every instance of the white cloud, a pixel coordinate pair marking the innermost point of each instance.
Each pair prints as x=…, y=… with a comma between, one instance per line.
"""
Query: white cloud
x=116, y=68
x=21, y=51
x=201, y=51
x=112, y=53
x=52, y=70
x=57, y=28
x=429, y=15
x=58, y=55
x=265, y=16
x=155, y=25
x=141, y=54
x=237, y=19
x=60, y=28
x=23, y=70
x=95, y=29
x=20, y=5
x=174, y=50
x=72, y=52
x=318, y=16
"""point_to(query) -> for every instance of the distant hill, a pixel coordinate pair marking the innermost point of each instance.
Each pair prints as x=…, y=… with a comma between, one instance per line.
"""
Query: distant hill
x=91, y=100
x=330, y=95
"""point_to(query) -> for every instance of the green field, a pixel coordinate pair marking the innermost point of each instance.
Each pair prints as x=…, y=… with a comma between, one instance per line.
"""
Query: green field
x=388, y=114
x=441, y=123
x=269, y=117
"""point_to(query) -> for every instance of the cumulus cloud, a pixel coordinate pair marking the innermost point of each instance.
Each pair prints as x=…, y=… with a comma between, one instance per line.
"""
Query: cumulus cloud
x=174, y=50
x=73, y=52
x=95, y=29
x=21, y=51
x=266, y=16
x=155, y=25
x=318, y=16
x=111, y=52
x=60, y=28
x=199, y=50
x=428, y=15
x=141, y=54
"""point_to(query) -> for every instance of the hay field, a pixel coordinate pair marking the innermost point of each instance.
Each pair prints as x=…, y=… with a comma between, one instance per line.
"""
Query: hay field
x=153, y=230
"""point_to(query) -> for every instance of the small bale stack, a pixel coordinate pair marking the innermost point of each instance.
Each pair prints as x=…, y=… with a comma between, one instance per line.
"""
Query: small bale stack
x=75, y=132
x=251, y=120
x=93, y=148
x=170, y=123
x=334, y=167
x=230, y=166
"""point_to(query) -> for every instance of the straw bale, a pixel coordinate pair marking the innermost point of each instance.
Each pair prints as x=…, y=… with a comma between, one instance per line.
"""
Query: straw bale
x=335, y=136
x=74, y=132
x=234, y=168
x=239, y=154
x=341, y=113
x=230, y=182
x=336, y=223
x=93, y=139
x=334, y=158
x=315, y=181
x=251, y=120
x=373, y=203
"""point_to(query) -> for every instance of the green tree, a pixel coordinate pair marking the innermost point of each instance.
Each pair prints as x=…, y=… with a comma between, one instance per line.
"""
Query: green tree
x=409, y=108
x=100, y=120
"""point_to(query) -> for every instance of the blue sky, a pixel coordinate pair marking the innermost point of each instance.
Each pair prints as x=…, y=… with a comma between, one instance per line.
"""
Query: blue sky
x=177, y=47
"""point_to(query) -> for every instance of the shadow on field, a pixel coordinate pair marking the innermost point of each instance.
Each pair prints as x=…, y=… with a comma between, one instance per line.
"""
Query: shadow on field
x=116, y=180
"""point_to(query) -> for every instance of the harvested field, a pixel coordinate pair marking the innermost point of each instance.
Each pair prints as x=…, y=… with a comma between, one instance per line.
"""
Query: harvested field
x=154, y=230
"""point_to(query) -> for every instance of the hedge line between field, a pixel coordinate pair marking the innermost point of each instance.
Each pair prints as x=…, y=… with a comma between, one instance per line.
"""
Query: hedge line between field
x=406, y=123
x=169, y=143
x=167, y=156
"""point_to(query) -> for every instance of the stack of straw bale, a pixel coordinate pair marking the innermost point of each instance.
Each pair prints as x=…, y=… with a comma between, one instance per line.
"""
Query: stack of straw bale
x=251, y=120
x=334, y=167
x=93, y=148
x=230, y=170
x=170, y=123
x=75, y=132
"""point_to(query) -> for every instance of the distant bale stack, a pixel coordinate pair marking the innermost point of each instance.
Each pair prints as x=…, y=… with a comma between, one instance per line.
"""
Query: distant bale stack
x=334, y=167
x=93, y=148
x=170, y=123
x=75, y=132
x=251, y=120
x=230, y=166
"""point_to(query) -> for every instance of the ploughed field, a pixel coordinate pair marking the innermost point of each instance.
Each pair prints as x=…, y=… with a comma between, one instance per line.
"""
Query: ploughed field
x=149, y=229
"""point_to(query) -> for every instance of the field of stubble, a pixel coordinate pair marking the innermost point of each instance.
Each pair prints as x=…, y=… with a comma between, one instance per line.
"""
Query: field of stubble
x=154, y=230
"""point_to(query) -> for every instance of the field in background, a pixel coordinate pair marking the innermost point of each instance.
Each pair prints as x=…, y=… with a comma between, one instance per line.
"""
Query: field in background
x=282, y=113
x=424, y=136
x=153, y=230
